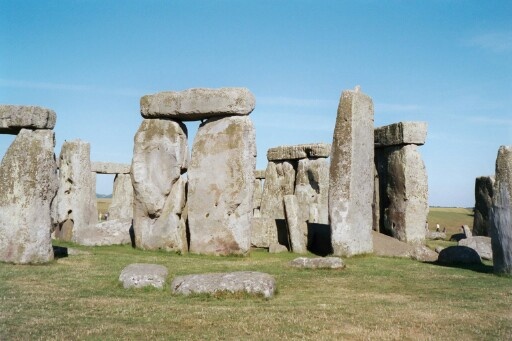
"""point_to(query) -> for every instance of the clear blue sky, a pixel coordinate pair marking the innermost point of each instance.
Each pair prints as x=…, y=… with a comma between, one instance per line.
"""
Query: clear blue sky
x=444, y=62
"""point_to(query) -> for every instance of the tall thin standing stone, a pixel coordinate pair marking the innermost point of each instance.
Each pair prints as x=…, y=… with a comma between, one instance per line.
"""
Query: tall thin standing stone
x=484, y=191
x=501, y=213
x=351, y=175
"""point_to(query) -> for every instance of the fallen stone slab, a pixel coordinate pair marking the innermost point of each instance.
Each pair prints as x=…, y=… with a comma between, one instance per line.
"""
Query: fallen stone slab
x=480, y=244
x=318, y=263
x=387, y=246
x=454, y=255
x=300, y=151
x=110, y=168
x=13, y=118
x=140, y=275
x=198, y=104
x=401, y=133
x=250, y=282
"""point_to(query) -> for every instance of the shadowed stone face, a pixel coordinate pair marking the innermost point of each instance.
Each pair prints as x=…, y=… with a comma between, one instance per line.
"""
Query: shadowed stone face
x=160, y=156
x=484, y=189
x=221, y=185
x=351, y=175
x=28, y=184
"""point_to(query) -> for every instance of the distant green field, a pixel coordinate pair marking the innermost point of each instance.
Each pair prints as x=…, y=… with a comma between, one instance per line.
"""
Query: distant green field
x=103, y=205
x=450, y=217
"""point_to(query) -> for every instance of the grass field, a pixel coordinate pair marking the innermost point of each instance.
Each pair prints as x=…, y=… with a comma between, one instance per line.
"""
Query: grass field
x=451, y=218
x=79, y=297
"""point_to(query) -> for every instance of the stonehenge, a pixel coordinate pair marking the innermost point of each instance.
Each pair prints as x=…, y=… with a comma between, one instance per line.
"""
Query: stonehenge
x=208, y=198
x=401, y=181
x=484, y=191
x=216, y=196
x=28, y=184
x=501, y=213
x=351, y=175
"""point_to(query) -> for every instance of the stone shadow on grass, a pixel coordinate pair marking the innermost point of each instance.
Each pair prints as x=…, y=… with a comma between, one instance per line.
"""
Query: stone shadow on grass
x=481, y=268
x=60, y=252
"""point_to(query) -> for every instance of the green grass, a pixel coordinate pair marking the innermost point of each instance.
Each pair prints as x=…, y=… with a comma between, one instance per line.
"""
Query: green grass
x=451, y=218
x=79, y=297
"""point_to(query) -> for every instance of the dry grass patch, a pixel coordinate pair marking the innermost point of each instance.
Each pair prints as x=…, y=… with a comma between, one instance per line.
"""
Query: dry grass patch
x=79, y=297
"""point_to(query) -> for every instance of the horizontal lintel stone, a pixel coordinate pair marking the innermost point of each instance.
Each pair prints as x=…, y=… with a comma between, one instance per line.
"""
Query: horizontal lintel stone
x=401, y=133
x=110, y=168
x=300, y=151
x=13, y=118
x=259, y=174
x=198, y=104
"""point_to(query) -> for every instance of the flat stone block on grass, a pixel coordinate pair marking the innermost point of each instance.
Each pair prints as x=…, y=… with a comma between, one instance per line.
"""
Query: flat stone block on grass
x=250, y=282
x=318, y=263
x=140, y=275
x=480, y=244
x=454, y=255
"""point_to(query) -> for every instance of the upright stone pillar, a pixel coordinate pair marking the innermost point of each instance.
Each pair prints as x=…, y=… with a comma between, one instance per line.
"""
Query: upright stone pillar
x=122, y=198
x=28, y=184
x=484, y=191
x=221, y=186
x=501, y=213
x=75, y=203
x=402, y=181
x=259, y=181
x=160, y=156
x=351, y=175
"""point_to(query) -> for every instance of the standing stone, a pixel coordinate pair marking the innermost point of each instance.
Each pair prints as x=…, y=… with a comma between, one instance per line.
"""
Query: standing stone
x=406, y=190
x=312, y=189
x=501, y=213
x=28, y=184
x=75, y=203
x=483, y=202
x=467, y=232
x=221, y=185
x=351, y=175
x=297, y=225
x=160, y=156
x=279, y=181
x=122, y=198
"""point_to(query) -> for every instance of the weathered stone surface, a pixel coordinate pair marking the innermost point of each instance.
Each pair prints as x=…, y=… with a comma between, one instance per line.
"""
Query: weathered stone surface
x=75, y=203
x=480, y=244
x=387, y=246
x=401, y=133
x=433, y=235
x=351, y=175
x=160, y=156
x=28, y=184
x=318, y=263
x=312, y=189
x=258, y=194
x=110, y=168
x=259, y=173
x=277, y=248
x=122, y=198
x=501, y=213
x=484, y=188
x=297, y=226
x=198, y=104
x=261, y=228
x=279, y=181
x=301, y=151
x=404, y=193
x=142, y=275
x=250, y=282
x=467, y=232
x=221, y=186
x=13, y=118
x=109, y=232
x=459, y=255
